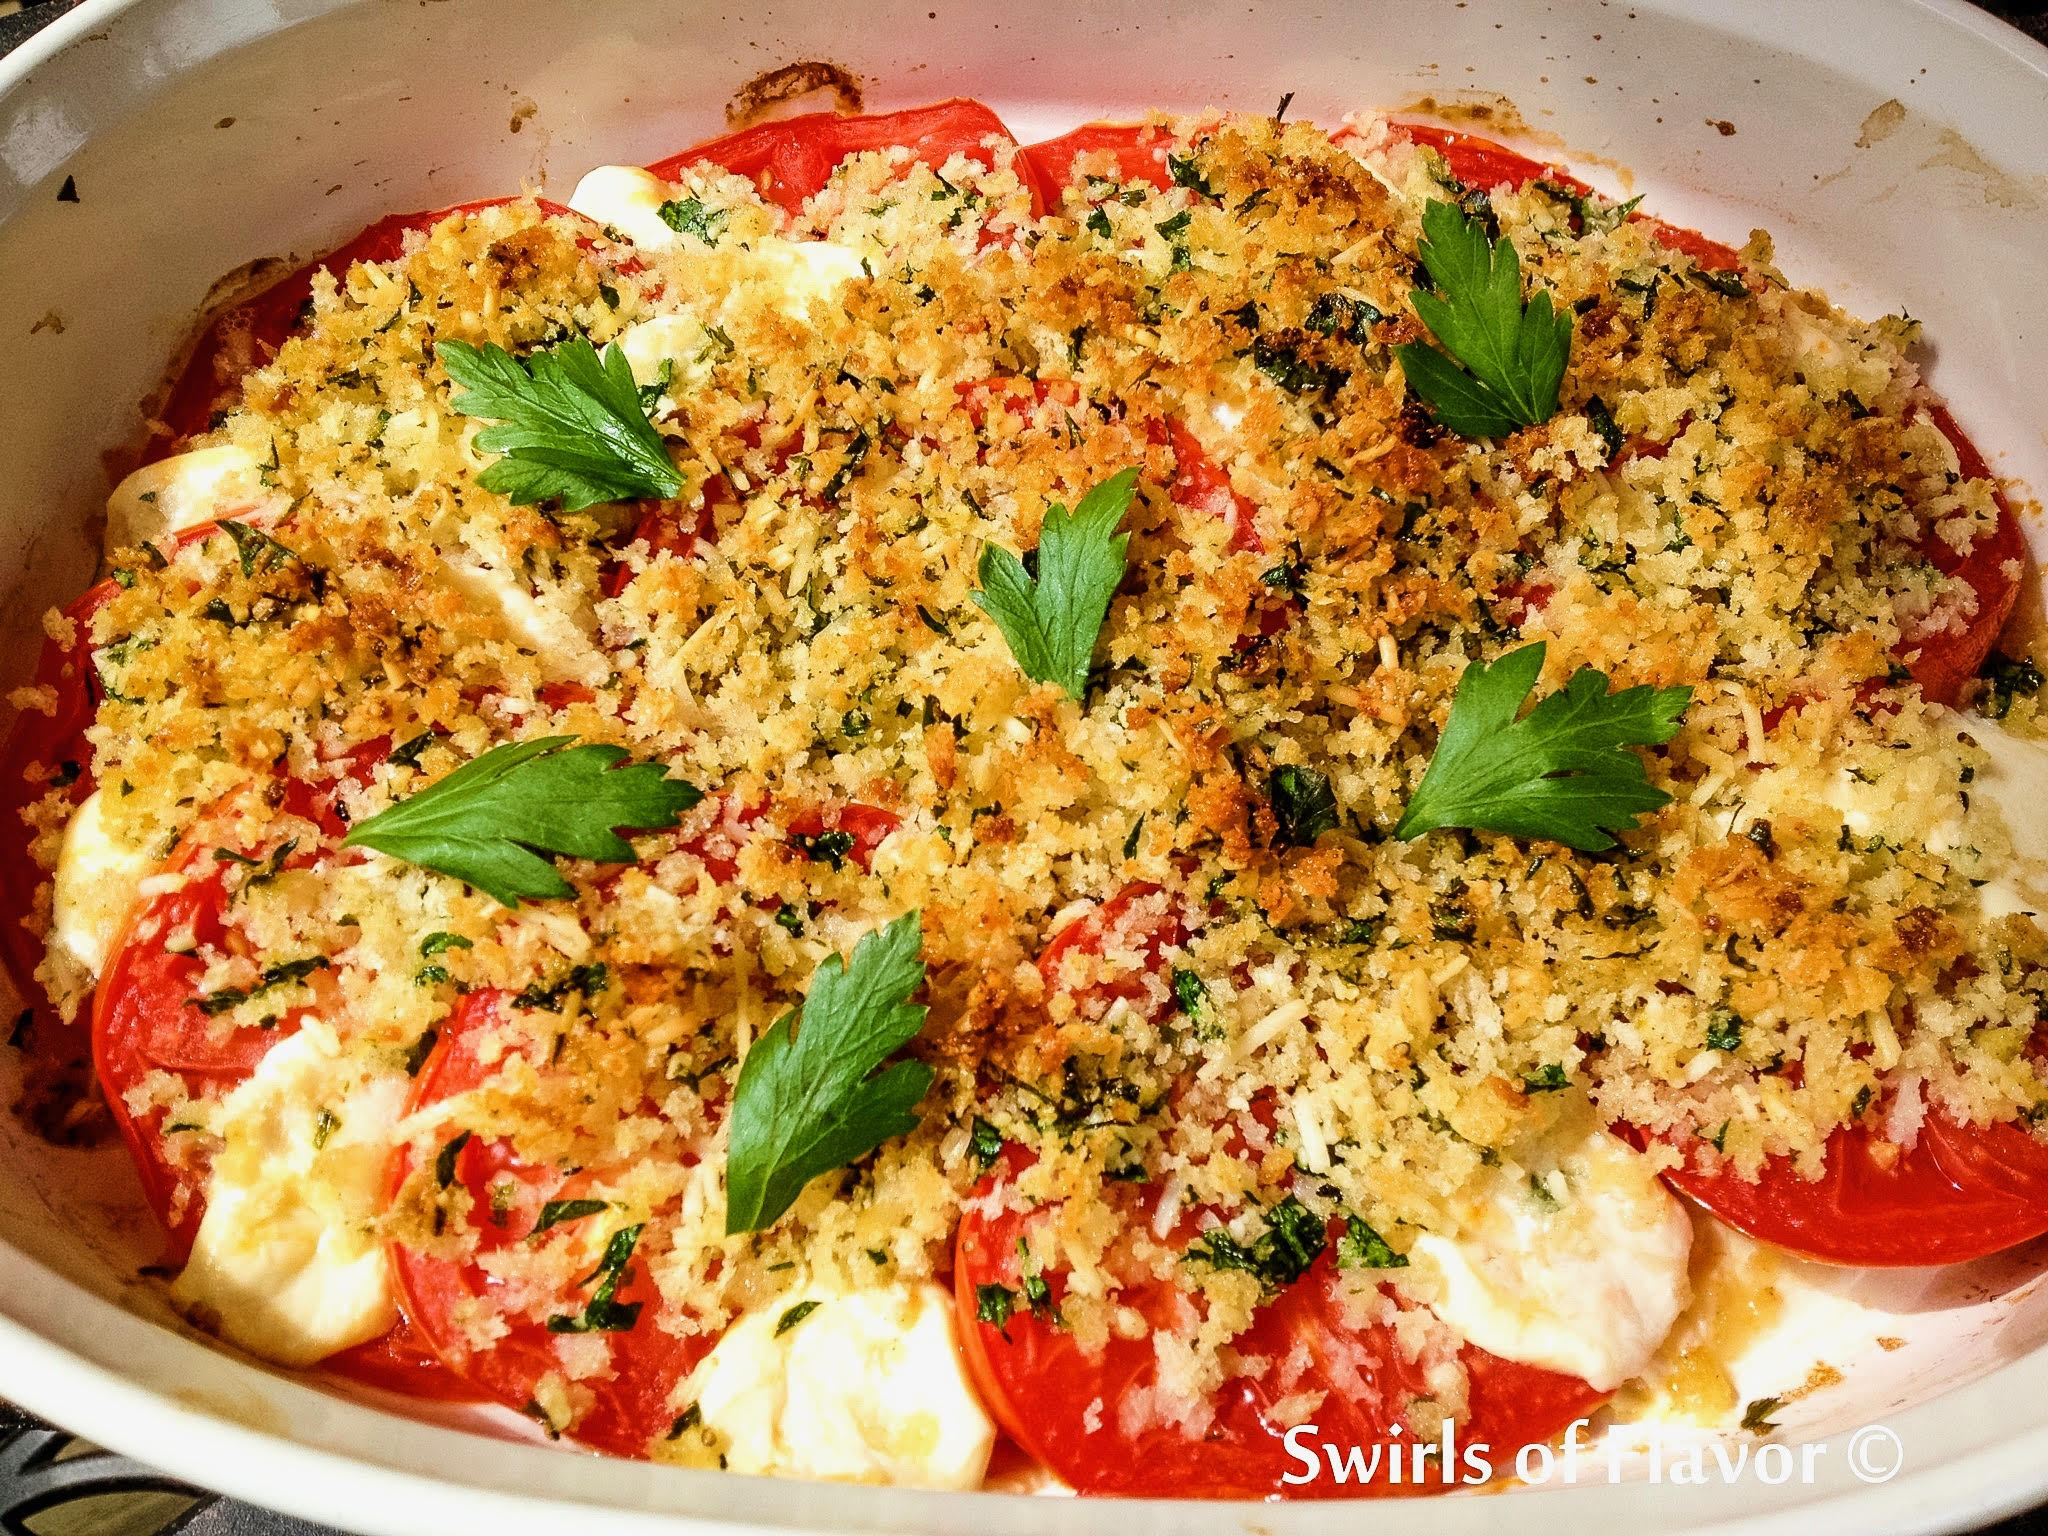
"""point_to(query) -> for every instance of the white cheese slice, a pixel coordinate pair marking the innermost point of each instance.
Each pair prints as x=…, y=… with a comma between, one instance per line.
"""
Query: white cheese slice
x=808, y=272
x=2015, y=784
x=1572, y=1258
x=867, y=1387
x=185, y=490
x=95, y=886
x=556, y=626
x=627, y=200
x=678, y=340
x=288, y=1262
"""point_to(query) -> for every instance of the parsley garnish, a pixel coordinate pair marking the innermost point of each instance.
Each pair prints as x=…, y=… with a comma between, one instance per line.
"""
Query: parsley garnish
x=490, y=821
x=1548, y=1078
x=570, y=424
x=1756, y=1415
x=1506, y=358
x=690, y=216
x=1724, y=1030
x=1052, y=620
x=811, y=1099
x=257, y=550
x=2009, y=680
x=795, y=1315
x=555, y=1212
x=994, y=1305
x=1362, y=1248
x=602, y=1314
x=985, y=1142
x=1304, y=806
x=1563, y=771
x=286, y=974
x=1293, y=1240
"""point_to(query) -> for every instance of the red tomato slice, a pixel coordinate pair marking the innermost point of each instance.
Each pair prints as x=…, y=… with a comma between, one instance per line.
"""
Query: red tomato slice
x=1201, y=485
x=1960, y=1193
x=1483, y=164
x=1140, y=150
x=243, y=337
x=445, y=1297
x=1092, y=1418
x=867, y=825
x=792, y=160
x=1947, y=662
x=401, y=1361
x=1142, y=920
x=38, y=747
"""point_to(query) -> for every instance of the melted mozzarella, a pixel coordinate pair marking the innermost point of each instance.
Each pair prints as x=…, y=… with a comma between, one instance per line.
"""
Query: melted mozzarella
x=556, y=626
x=627, y=200
x=1572, y=1258
x=95, y=887
x=288, y=1263
x=2015, y=782
x=184, y=491
x=869, y=1387
x=678, y=340
x=809, y=272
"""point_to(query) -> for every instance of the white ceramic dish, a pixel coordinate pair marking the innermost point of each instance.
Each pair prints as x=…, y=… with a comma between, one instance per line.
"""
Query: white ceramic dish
x=1899, y=155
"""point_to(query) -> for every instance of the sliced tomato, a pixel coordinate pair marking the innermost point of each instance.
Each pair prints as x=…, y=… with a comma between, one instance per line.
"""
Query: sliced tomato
x=1483, y=164
x=867, y=825
x=42, y=748
x=670, y=528
x=1140, y=921
x=1947, y=662
x=243, y=337
x=147, y=1015
x=1202, y=486
x=463, y=1311
x=1099, y=1420
x=1959, y=1193
x=792, y=160
x=401, y=1361
x=1140, y=151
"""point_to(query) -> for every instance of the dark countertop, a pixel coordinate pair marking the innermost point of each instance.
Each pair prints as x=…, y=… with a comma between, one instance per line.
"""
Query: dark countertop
x=102, y=1495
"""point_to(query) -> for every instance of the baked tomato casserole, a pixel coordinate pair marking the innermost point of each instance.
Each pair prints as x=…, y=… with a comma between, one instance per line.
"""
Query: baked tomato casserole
x=876, y=799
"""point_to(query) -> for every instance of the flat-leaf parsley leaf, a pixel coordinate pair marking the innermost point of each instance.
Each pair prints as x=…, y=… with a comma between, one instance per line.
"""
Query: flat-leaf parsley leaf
x=571, y=425
x=1562, y=772
x=1052, y=622
x=490, y=822
x=1512, y=354
x=810, y=1095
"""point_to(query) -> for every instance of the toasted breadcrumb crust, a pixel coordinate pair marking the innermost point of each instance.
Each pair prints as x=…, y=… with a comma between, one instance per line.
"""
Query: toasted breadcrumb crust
x=1375, y=1021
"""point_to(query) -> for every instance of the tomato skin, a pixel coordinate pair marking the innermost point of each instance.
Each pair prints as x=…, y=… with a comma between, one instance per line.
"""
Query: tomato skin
x=401, y=1361
x=1067, y=1407
x=1148, y=931
x=791, y=161
x=440, y=1295
x=867, y=825
x=1959, y=1193
x=1948, y=662
x=244, y=336
x=1140, y=150
x=37, y=745
x=1201, y=485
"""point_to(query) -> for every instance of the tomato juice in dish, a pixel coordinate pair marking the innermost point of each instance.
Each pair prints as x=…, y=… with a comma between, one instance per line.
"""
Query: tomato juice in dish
x=872, y=790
